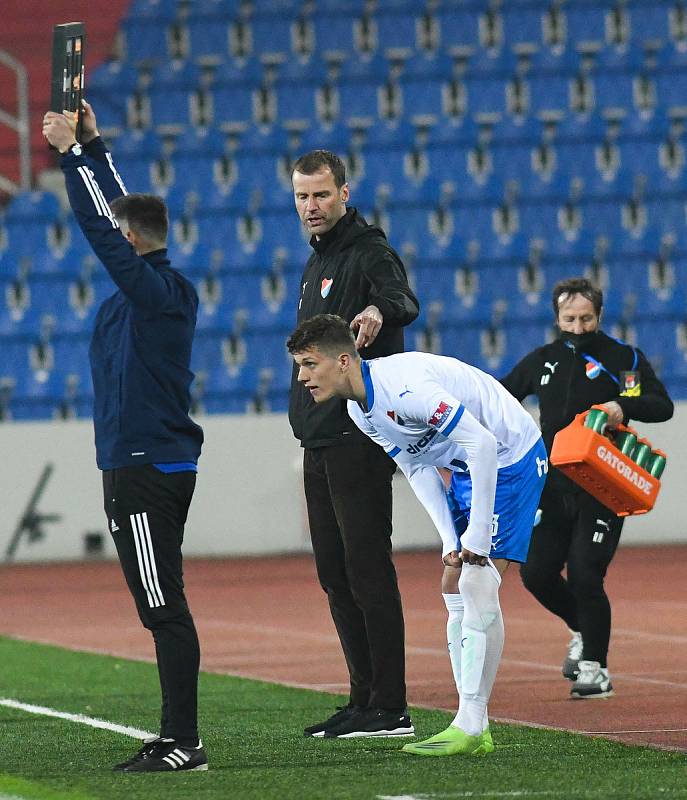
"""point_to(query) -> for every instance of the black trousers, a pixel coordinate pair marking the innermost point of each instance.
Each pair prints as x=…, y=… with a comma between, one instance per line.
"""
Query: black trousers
x=578, y=532
x=348, y=494
x=146, y=512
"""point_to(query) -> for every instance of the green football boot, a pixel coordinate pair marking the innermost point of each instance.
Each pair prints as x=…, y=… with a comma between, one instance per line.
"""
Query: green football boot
x=452, y=742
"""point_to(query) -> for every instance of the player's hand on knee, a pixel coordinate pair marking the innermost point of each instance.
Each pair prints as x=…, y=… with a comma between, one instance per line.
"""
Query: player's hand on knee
x=452, y=559
x=468, y=557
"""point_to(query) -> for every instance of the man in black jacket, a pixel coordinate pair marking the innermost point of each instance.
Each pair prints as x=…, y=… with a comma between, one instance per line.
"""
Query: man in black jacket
x=581, y=368
x=353, y=272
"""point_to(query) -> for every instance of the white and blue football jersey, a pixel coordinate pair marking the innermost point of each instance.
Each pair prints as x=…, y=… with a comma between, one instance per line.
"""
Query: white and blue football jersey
x=430, y=411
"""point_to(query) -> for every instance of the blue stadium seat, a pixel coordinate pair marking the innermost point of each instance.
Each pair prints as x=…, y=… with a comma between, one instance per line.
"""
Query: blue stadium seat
x=233, y=105
x=435, y=66
x=136, y=173
x=34, y=206
x=585, y=23
x=145, y=40
x=200, y=142
x=278, y=8
x=225, y=382
x=209, y=37
x=334, y=32
x=110, y=108
x=396, y=30
x=271, y=39
x=422, y=96
x=267, y=349
x=340, y=7
x=658, y=341
x=407, y=225
x=136, y=144
x=113, y=75
x=521, y=339
x=213, y=8
x=371, y=68
x=22, y=236
x=486, y=95
x=157, y=10
x=649, y=21
x=194, y=172
x=458, y=27
x=296, y=103
x=335, y=136
x=523, y=25
x=462, y=342
x=207, y=350
x=176, y=74
x=613, y=90
x=436, y=283
x=670, y=89
x=548, y=93
x=170, y=107
x=359, y=99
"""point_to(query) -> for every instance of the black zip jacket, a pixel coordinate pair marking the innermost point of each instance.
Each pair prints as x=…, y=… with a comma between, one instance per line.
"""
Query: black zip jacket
x=352, y=266
x=568, y=382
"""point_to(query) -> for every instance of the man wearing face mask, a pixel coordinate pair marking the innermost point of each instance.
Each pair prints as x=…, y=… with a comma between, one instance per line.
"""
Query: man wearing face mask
x=581, y=368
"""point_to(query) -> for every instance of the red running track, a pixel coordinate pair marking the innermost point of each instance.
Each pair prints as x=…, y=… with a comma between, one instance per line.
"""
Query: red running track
x=268, y=619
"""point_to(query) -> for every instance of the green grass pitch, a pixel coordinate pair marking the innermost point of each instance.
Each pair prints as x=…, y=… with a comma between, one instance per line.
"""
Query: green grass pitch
x=253, y=734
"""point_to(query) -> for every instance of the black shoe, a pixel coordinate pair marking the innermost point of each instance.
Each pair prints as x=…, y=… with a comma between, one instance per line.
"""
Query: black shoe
x=373, y=722
x=165, y=755
x=342, y=713
x=147, y=745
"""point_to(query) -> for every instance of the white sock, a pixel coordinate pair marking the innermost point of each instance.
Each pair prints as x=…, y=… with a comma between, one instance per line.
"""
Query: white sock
x=482, y=640
x=454, y=627
x=454, y=634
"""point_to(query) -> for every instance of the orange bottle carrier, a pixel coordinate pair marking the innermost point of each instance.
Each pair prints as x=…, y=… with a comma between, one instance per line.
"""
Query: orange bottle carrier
x=592, y=460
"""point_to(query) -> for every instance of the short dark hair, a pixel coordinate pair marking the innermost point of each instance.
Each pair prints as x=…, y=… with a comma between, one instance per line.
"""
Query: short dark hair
x=316, y=160
x=145, y=214
x=573, y=286
x=326, y=332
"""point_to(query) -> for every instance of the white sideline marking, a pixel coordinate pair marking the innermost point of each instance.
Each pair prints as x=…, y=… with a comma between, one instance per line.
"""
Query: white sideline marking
x=648, y=730
x=511, y=793
x=135, y=733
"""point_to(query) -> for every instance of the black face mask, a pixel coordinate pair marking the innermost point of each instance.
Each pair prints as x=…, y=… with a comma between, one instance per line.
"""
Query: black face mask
x=580, y=341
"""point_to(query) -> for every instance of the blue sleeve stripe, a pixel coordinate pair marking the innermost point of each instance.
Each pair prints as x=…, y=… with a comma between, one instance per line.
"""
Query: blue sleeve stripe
x=394, y=452
x=456, y=419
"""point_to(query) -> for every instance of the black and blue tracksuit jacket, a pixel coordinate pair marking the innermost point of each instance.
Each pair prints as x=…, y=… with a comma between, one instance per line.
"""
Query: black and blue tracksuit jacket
x=141, y=346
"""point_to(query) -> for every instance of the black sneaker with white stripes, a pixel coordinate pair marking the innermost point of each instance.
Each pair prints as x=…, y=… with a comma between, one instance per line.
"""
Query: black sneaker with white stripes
x=147, y=745
x=165, y=755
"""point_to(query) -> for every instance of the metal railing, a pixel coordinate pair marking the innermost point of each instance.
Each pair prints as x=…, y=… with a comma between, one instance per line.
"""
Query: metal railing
x=19, y=124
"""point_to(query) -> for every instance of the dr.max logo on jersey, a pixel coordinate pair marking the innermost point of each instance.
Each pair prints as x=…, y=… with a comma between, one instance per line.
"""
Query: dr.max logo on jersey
x=442, y=413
